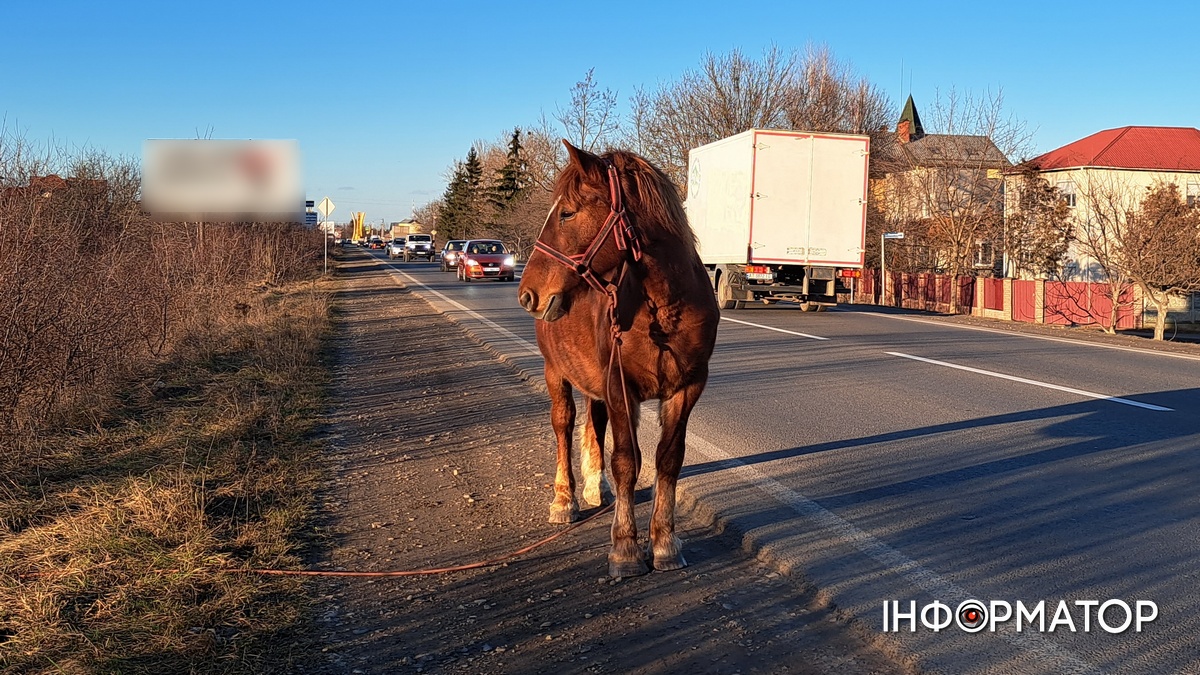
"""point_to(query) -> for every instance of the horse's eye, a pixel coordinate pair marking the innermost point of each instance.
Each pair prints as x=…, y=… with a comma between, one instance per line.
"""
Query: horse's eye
x=566, y=215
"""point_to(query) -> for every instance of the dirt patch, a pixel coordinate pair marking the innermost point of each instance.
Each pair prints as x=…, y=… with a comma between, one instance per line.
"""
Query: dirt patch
x=439, y=455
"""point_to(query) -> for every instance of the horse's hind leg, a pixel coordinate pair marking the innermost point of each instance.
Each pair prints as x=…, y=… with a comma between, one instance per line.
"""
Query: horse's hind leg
x=674, y=412
x=596, y=490
x=625, y=559
x=564, y=508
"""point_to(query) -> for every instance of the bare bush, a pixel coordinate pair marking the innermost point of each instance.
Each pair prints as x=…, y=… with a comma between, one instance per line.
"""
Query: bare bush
x=95, y=291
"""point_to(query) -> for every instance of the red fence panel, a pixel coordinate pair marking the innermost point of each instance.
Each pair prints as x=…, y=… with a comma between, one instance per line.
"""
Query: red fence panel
x=1127, y=316
x=866, y=287
x=1024, y=300
x=993, y=294
x=1102, y=307
x=1067, y=303
x=966, y=294
x=1083, y=304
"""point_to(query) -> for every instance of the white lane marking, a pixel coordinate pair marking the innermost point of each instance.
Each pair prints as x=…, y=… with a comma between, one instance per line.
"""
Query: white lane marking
x=1063, y=660
x=1048, y=338
x=1047, y=385
x=778, y=330
x=529, y=346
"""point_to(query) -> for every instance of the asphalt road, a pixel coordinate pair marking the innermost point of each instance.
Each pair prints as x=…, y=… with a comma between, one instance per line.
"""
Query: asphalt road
x=889, y=457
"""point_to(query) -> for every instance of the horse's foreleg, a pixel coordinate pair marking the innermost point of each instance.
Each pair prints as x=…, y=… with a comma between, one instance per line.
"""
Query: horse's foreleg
x=596, y=490
x=668, y=461
x=564, y=508
x=625, y=559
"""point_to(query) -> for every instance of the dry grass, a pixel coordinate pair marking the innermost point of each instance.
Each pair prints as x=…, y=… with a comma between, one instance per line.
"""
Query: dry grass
x=112, y=536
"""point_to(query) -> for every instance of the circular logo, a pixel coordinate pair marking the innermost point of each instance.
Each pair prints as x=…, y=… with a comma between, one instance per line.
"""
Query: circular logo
x=971, y=616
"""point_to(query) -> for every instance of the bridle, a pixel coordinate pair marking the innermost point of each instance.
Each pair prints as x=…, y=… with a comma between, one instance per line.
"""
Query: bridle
x=625, y=236
x=623, y=233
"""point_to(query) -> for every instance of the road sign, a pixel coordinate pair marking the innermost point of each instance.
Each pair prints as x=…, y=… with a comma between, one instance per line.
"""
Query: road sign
x=310, y=219
x=325, y=207
x=308, y=203
x=893, y=235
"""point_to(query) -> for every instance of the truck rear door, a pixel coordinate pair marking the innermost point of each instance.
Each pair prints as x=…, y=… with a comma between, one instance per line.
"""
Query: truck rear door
x=808, y=199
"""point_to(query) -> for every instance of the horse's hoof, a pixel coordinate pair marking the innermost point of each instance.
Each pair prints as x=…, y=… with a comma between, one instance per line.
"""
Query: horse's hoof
x=628, y=568
x=564, y=514
x=670, y=563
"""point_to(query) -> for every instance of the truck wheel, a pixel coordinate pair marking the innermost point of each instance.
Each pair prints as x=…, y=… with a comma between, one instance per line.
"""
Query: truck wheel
x=809, y=307
x=725, y=294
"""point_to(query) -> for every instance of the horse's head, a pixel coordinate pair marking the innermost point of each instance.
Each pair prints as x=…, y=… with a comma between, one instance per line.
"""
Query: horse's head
x=585, y=234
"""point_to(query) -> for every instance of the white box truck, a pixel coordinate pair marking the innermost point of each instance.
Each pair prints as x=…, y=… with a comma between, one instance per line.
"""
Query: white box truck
x=780, y=215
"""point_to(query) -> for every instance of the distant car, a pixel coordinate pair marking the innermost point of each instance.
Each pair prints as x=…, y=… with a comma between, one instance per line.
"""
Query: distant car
x=395, y=248
x=450, y=253
x=486, y=259
x=375, y=242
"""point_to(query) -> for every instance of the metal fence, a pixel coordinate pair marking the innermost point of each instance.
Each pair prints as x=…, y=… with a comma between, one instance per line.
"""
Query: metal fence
x=1034, y=301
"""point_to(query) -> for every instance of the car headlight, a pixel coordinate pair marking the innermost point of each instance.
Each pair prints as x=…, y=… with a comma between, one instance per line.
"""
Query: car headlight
x=509, y=261
x=473, y=262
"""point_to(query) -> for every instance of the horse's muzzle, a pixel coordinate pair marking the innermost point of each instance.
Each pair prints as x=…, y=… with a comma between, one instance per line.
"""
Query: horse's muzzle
x=552, y=310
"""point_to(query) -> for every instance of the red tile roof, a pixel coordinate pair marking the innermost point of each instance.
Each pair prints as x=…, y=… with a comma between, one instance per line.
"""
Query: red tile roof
x=1153, y=148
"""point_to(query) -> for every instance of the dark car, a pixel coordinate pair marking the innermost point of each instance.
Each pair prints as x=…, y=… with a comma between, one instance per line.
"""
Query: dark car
x=450, y=253
x=486, y=259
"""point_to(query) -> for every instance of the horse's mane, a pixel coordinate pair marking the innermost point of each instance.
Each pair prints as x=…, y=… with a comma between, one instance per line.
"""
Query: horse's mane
x=649, y=196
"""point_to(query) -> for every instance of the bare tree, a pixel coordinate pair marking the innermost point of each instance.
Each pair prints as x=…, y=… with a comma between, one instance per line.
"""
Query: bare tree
x=726, y=95
x=591, y=120
x=949, y=185
x=730, y=93
x=544, y=155
x=634, y=134
x=1160, y=249
x=523, y=220
x=1106, y=205
x=827, y=95
x=427, y=214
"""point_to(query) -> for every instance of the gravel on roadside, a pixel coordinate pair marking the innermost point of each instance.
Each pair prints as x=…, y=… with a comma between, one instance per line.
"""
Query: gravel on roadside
x=437, y=454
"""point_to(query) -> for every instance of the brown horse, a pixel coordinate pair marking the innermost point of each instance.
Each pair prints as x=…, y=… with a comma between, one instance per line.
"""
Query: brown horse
x=625, y=313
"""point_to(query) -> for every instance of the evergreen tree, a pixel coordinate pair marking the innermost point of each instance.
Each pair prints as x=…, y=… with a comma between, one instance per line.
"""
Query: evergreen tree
x=474, y=177
x=454, y=219
x=463, y=199
x=511, y=178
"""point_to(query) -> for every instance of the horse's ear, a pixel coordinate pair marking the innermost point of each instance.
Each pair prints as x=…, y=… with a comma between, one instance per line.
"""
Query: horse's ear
x=586, y=160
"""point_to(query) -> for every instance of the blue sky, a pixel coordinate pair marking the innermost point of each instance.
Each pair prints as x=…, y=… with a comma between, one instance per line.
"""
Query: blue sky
x=384, y=96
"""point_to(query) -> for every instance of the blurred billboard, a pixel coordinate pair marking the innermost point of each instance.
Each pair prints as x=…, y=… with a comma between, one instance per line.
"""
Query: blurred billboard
x=222, y=180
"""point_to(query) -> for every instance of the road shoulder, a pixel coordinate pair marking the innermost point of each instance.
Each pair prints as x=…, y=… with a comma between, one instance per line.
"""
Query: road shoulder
x=439, y=455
